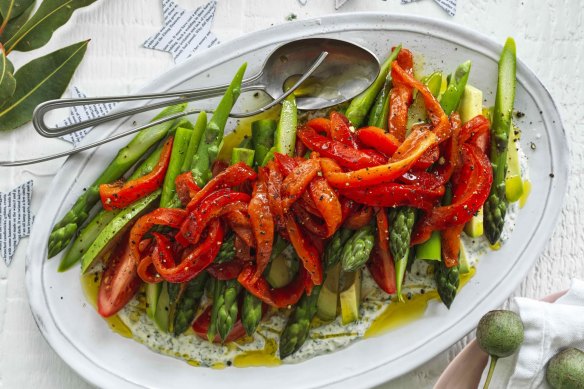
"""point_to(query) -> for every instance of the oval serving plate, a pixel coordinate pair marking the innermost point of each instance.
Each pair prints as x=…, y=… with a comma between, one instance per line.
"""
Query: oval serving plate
x=84, y=341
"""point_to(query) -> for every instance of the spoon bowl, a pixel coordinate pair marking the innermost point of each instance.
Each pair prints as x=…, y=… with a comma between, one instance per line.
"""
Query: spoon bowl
x=347, y=71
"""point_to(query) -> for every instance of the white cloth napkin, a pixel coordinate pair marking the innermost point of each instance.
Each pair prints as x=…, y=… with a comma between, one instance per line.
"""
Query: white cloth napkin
x=549, y=328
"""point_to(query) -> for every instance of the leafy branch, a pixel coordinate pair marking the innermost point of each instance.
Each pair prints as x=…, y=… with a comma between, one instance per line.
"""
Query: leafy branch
x=41, y=79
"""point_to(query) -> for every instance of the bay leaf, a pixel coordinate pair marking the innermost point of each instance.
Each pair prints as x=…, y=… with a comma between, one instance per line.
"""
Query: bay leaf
x=7, y=81
x=38, y=30
x=41, y=79
x=15, y=24
x=13, y=8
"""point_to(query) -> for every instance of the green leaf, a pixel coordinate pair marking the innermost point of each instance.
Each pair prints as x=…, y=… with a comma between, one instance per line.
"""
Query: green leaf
x=7, y=81
x=40, y=80
x=9, y=9
x=15, y=24
x=38, y=30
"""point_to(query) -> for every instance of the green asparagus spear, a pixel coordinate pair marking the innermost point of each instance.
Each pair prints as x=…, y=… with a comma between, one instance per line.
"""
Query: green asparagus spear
x=285, y=136
x=169, y=199
x=262, y=138
x=85, y=238
x=212, y=138
x=357, y=249
x=455, y=89
x=447, y=281
x=298, y=325
x=64, y=230
x=196, y=136
x=218, y=288
x=495, y=207
x=380, y=111
x=251, y=312
x=360, y=105
x=187, y=305
x=227, y=311
x=431, y=249
x=242, y=155
x=402, y=223
x=107, y=237
x=334, y=247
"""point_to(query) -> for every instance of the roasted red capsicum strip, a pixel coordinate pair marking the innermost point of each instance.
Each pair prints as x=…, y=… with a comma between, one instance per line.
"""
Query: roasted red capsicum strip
x=195, y=261
x=435, y=112
x=400, y=98
x=359, y=216
x=169, y=217
x=395, y=195
x=477, y=131
x=320, y=125
x=344, y=155
x=381, y=264
x=378, y=139
x=233, y=175
x=340, y=130
x=307, y=252
x=297, y=181
x=310, y=222
x=327, y=202
x=213, y=206
x=118, y=195
x=262, y=225
x=186, y=187
x=379, y=174
x=283, y=297
x=475, y=179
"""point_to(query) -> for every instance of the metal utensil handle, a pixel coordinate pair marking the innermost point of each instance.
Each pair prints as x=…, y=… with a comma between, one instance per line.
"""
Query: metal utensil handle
x=180, y=97
x=79, y=149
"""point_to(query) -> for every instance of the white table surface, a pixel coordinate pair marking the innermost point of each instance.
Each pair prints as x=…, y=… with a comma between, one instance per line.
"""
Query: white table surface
x=550, y=39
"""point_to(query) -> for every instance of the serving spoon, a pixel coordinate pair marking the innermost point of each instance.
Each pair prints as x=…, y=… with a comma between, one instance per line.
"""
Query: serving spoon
x=340, y=71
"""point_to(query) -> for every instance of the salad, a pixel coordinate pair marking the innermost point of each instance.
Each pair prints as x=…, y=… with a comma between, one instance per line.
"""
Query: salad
x=313, y=218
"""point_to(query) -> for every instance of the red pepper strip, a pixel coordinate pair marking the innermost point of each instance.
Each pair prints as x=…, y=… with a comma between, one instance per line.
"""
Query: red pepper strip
x=186, y=188
x=395, y=195
x=435, y=112
x=225, y=271
x=451, y=151
x=234, y=175
x=379, y=174
x=212, y=207
x=381, y=264
x=262, y=225
x=473, y=188
x=218, y=167
x=359, y=218
x=347, y=207
x=144, y=245
x=274, y=187
x=320, y=125
x=242, y=250
x=344, y=155
x=297, y=181
x=170, y=217
x=378, y=139
x=201, y=326
x=309, y=221
x=118, y=195
x=327, y=203
x=240, y=223
x=285, y=163
x=400, y=98
x=283, y=297
x=305, y=249
x=423, y=179
x=300, y=148
x=477, y=131
x=308, y=204
x=450, y=241
x=147, y=272
x=340, y=130
x=195, y=261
